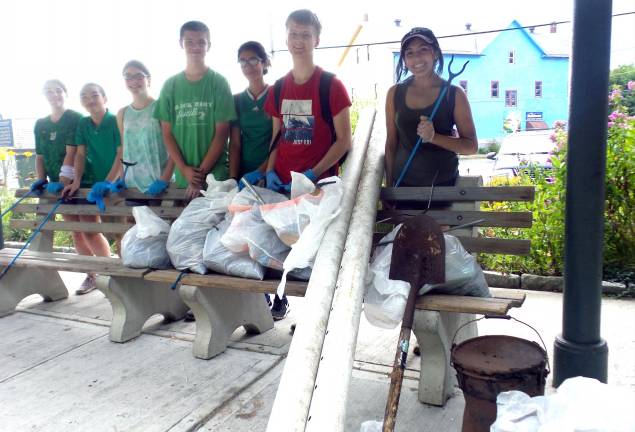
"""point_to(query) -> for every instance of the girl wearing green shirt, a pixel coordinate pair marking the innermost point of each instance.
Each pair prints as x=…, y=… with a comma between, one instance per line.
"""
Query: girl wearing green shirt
x=98, y=146
x=55, y=154
x=250, y=134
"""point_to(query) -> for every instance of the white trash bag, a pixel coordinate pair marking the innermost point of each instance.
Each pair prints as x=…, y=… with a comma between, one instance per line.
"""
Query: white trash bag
x=463, y=275
x=245, y=199
x=143, y=245
x=320, y=216
x=188, y=233
x=580, y=404
x=385, y=299
x=218, y=258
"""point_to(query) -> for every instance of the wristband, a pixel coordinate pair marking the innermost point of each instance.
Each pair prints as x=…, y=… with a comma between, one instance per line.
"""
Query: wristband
x=68, y=171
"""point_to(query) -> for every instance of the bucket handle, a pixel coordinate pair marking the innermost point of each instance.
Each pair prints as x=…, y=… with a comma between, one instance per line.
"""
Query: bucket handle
x=506, y=317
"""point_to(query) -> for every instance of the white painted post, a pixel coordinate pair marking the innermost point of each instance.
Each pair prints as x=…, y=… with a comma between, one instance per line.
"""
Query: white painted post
x=330, y=394
x=291, y=406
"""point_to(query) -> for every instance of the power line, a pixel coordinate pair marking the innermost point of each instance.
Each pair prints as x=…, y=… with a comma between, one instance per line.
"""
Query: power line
x=471, y=33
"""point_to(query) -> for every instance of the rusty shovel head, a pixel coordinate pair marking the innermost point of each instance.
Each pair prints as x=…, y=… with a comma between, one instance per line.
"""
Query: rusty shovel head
x=418, y=252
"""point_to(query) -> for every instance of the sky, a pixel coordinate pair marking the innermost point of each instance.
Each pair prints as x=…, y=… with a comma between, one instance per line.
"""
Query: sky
x=80, y=41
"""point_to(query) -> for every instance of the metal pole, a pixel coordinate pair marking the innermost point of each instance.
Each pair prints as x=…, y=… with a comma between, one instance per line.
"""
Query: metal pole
x=580, y=350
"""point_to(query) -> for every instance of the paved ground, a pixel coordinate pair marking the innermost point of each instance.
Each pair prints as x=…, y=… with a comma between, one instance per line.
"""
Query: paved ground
x=59, y=371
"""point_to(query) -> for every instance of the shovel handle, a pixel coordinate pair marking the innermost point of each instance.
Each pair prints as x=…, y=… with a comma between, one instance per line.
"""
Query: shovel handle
x=399, y=365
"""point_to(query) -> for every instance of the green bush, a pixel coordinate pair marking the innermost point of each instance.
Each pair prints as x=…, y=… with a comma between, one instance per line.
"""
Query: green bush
x=7, y=198
x=492, y=146
x=547, y=232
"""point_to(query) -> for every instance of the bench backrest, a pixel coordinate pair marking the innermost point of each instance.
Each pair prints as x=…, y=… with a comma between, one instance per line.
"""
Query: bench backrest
x=466, y=197
x=168, y=206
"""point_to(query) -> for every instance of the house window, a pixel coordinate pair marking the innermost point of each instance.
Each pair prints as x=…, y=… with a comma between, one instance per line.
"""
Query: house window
x=538, y=89
x=510, y=98
x=463, y=84
x=512, y=57
x=494, y=89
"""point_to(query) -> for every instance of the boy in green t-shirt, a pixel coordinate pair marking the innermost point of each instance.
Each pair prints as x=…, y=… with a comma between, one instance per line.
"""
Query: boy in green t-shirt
x=195, y=108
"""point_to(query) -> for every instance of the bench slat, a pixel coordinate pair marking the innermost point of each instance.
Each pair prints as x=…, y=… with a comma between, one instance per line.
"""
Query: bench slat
x=213, y=280
x=171, y=193
x=70, y=262
x=104, y=227
x=459, y=217
x=465, y=304
x=515, y=295
x=496, y=245
x=91, y=209
x=457, y=193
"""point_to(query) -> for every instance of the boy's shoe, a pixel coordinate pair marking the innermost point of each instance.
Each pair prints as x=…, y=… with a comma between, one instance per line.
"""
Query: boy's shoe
x=189, y=316
x=268, y=298
x=89, y=284
x=280, y=308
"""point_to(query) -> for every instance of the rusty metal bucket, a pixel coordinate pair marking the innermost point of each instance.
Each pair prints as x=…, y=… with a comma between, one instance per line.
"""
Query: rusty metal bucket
x=488, y=365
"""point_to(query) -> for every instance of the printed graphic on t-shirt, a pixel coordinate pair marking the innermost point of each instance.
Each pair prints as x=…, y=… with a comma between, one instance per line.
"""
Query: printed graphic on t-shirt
x=298, y=121
x=192, y=113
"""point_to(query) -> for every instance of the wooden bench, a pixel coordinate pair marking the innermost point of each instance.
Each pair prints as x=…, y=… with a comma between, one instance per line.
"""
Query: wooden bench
x=220, y=303
x=437, y=317
x=132, y=298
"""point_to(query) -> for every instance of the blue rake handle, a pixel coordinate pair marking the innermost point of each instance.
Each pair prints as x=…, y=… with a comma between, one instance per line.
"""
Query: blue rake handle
x=26, y=195
x=36, y=232
x=437, y=103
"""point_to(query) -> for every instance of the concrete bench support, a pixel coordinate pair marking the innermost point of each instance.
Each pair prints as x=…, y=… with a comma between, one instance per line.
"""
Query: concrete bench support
x=18, y=284
x=134, y=300
x=434, y=331
x=219, y=312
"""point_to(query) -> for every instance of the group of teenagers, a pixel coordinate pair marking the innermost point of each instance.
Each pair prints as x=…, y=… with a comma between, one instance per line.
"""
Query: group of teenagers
x=197, y=127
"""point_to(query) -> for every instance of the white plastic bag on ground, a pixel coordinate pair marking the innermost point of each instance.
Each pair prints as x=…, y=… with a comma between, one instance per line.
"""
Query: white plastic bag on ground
x=188, y=233
x=303, y=251
x=218, y=258
x=371, y=426
x=463, y=275
x=580, y=404
x=385, y=299
x=144, y=245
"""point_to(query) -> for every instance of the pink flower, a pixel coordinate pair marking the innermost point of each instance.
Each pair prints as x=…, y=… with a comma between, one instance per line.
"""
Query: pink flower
x=611, y=124
x=631, y=85
x=615, y=94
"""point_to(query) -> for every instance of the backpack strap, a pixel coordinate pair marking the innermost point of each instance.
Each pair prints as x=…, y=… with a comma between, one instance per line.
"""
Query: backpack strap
x=325, y=101
x=237, y=105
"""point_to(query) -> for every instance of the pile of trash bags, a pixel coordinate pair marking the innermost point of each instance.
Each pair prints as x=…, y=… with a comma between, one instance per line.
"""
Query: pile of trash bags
x=385, y=299
x=240, y=233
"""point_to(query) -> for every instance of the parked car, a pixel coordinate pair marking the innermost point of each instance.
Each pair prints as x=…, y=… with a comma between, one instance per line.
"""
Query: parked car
x=520, y=149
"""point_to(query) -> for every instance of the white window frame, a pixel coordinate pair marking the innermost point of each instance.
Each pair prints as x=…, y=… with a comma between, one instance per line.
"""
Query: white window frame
x=511, y=59
x=538, y=89
x=511, y=102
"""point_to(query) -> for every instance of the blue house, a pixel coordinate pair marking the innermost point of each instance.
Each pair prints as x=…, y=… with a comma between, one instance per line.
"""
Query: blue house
x=516, y=79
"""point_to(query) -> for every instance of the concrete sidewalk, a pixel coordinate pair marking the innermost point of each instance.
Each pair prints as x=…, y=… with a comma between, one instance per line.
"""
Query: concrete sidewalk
x=59, y=371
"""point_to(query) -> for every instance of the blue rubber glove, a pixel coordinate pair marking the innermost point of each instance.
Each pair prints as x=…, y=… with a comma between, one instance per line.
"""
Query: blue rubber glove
x=310, y=175
x=273, y=181
x=252, y=178
x=97, y=193
x=38, y=186
x=54, y=187
x=118, y=186
x=157, y=187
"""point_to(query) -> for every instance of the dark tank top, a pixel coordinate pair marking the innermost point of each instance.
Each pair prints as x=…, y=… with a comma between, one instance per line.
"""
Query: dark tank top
x=429, y=158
